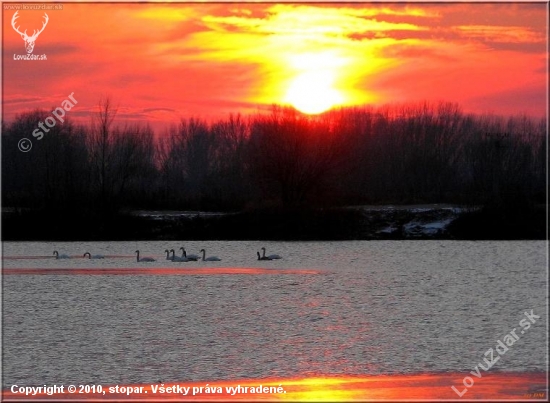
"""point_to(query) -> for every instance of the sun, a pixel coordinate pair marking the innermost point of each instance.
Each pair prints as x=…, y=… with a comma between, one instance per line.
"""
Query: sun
x=312, y=92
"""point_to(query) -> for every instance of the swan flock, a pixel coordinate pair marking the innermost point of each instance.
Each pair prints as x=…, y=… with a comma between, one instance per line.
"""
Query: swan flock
x=171, y=256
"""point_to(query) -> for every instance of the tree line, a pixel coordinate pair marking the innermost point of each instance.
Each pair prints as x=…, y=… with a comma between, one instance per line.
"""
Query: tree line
x=409, y=153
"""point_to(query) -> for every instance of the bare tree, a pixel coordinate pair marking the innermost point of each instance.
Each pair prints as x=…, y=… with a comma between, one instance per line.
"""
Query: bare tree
x=294, y=156
x=100, y=145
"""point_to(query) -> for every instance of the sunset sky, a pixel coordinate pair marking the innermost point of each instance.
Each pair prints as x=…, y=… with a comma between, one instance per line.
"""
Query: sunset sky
x=161, y=62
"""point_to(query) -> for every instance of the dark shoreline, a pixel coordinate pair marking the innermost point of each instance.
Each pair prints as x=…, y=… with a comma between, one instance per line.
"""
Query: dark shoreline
x=334, y=224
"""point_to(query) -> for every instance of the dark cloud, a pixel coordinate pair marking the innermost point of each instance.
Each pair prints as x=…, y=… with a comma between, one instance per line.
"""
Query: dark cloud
x=517, y=47
x=18, y=99
x=416, y=52
x=148, y=110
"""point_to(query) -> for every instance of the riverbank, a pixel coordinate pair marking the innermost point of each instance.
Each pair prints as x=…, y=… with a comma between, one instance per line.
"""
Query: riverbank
x=434, y=221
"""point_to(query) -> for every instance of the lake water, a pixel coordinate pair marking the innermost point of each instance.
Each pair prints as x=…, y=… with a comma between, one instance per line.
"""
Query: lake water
x=326, y=308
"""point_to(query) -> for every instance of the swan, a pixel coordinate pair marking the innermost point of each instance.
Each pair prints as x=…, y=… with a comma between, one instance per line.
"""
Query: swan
x=271, y=257
x=58, y=256
x=167, y=254
x=189, y=257
x=210, y=258
x=262, y=258
x=93, y=256
x=144, y=259
x=177, y=258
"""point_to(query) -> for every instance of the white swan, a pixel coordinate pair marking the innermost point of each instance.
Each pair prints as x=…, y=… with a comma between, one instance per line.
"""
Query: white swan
x=93, y=256
x=58, y=256
x=210, y=258
x=189, y=257
x=262, y=258
x=271, y=257
x=143, y=259
x=177, y=258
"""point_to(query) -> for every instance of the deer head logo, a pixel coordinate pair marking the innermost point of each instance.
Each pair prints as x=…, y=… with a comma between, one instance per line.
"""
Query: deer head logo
x=29, y=40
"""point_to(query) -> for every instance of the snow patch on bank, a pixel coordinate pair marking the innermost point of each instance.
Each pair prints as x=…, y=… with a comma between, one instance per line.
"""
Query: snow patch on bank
x=430, y=228
x=167, y=215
